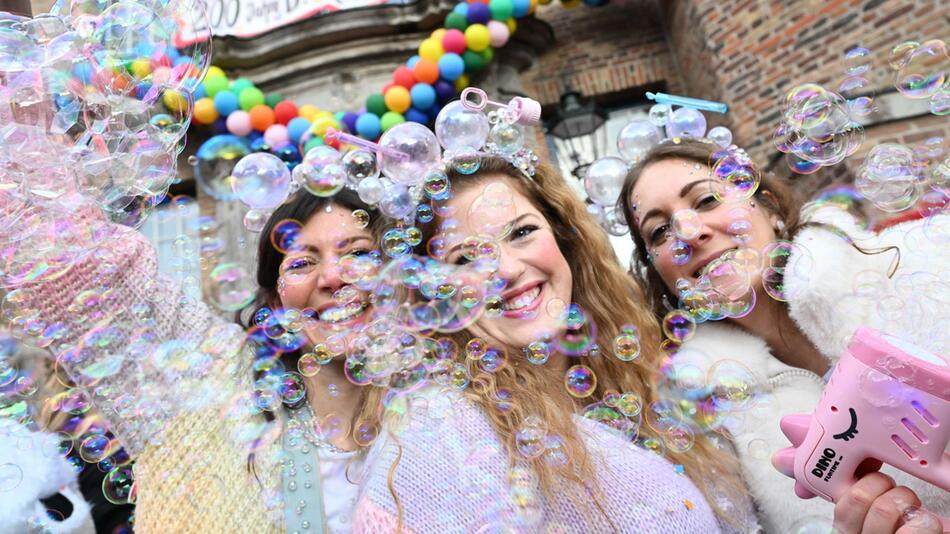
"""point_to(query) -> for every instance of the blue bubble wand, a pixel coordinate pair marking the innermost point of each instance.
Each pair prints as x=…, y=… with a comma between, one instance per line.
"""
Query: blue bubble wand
x=687, y=102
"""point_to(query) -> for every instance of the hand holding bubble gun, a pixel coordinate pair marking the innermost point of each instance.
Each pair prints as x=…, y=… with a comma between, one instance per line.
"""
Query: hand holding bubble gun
x=888, y=401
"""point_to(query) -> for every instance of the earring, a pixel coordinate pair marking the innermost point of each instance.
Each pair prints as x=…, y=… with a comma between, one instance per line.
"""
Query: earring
x=752, y=203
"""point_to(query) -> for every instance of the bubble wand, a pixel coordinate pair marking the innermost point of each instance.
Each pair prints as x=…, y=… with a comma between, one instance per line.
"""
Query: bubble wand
x=687, y=102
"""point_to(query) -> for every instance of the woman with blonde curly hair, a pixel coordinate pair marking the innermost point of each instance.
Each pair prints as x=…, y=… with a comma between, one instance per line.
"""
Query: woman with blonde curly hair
x=564, y=336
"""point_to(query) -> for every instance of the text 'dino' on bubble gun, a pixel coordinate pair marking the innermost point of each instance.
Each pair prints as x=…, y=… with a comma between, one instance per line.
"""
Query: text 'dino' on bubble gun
x=887, y=401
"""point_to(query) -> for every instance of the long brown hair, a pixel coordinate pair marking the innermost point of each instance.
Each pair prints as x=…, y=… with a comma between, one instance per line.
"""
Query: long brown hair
x=602, y=288
x=773, y=194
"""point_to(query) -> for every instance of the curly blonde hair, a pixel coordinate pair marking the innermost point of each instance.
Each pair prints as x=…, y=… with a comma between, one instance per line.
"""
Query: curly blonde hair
x=604, y=290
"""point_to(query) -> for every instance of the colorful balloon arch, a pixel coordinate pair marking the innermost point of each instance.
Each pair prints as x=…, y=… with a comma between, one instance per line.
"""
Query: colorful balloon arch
x=237, y=112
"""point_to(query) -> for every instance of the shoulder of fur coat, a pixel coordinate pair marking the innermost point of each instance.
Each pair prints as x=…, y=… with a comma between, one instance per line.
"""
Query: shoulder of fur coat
x=821, y=282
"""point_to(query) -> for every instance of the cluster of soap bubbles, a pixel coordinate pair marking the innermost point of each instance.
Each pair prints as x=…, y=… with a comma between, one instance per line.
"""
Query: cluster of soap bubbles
x=817, y=129
x=923, y=72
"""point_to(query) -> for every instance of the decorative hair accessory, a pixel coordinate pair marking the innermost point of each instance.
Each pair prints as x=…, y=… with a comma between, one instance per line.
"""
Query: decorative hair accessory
x=407, y=163
x=732, y=167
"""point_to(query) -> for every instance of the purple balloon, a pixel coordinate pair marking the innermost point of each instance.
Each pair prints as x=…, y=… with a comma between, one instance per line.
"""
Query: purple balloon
x=444, y=91
x=349, y=120
x=478, y=13
x=220, y=126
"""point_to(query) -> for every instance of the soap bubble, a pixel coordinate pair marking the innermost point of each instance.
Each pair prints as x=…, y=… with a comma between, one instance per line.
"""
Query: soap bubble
x=358, y=165
x=230, y=287
x=686, y=122
x=420, y=146
x=721, y=135
x=457, y=127
x=660, y=115
x=216, y=159
x=604, y=180
x=923, y=70
x=506, y=138
x=857, y=61
x=636, y=139
x=321, y=172
x=261, y=180
x=580, y=381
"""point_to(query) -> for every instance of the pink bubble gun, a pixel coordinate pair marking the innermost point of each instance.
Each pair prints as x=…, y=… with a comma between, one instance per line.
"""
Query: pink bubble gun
x=887, y=401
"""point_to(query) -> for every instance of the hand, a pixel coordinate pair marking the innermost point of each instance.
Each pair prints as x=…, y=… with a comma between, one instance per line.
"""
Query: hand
x=874, y=505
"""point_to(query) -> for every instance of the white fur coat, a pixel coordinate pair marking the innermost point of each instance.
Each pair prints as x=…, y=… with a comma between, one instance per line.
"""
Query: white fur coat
x=833, y=289
x=31, y=468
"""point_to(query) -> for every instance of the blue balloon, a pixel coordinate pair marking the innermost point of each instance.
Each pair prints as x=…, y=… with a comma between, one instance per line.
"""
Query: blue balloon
x=226, y=102
x=451, y=66
x=461, y=8
x=200, y=91
x=521, y=8
x=423, y=96
x=412, y=61
x=297, y=127
x=368, y=126
x=181, y=60
x=414, y=115
x=478, y=13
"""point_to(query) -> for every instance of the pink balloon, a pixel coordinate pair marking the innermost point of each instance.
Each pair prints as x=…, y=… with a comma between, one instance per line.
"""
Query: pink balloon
x=239, y=123
x=454, y=41
x=499, y=33
x=276, y=135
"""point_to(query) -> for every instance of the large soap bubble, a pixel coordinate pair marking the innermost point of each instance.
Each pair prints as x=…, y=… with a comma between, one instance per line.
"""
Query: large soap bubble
x=261, y=180
x=418, y=145
x=605, y=179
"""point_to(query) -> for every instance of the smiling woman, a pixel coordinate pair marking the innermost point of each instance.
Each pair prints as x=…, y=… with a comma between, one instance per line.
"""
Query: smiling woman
x=565, y=322
x=807, y=283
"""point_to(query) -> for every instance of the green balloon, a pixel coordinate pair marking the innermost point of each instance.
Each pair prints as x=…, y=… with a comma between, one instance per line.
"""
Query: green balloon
x=250, y=97
x=501, y=9
x=390, y=119
x=473, y=61
x=240, y=84
x=376, y=105
x=312, y=142
x=487, y=55
x=456, y=20
x=215, y=84
x=272, y=99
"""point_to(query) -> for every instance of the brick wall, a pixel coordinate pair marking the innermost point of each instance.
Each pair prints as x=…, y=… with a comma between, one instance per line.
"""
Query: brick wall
x=603, y=50
x=749, y=53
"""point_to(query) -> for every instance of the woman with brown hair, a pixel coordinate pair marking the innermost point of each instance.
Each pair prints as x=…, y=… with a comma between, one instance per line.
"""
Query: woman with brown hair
x=562, y=334
x=820, y=276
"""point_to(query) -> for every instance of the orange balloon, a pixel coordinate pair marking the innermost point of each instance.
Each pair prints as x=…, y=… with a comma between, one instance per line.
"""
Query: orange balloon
x=262, y=117
x=426, y=71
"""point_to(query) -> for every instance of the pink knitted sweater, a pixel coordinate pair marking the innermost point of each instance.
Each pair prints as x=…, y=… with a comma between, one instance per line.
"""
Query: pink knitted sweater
x=452, y=476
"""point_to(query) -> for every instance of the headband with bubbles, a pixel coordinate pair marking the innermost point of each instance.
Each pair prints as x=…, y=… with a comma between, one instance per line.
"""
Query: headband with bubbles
x=407, y=163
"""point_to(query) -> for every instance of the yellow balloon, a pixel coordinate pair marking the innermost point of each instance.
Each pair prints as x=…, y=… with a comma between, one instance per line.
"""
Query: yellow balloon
x=431, y=49
x=141, y=68
x=397, y=99
x=321, y=124
x=512, y=25
x=544, y=2
x=461, y=82
x=174, y=101
x=477, y=37
x=205, y=112
x=308, y=112
x=438, y=34
x=213, y=71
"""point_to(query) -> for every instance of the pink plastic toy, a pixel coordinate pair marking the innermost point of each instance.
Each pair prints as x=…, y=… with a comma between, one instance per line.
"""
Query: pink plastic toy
x=888, y=401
